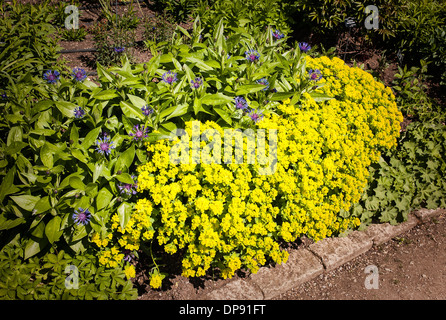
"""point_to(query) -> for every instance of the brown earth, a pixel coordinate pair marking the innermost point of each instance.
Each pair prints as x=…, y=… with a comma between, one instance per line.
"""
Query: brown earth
x=411, y=266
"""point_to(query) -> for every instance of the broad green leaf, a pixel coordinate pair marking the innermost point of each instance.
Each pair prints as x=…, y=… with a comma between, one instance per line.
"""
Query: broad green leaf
x=125, y=160
x=97, y=172
x=124, y=213
x=131, y=111
x=46, y=155
x=25, y=201
x=76, y=183
x=103, y=198
x=105, y=95
x=216, y=99
x=249, y=88
x=90, y=138
x=7, y=186
x=33, y=247
x=42, y=205
x=125, y=178
x=178, y=111
x=52, y=229
x=224, y=115
x=67, y=108
x=15, y=134
x=137, y=101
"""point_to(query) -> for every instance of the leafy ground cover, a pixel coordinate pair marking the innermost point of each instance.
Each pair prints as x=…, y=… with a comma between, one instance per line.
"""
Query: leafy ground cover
x=86, y=179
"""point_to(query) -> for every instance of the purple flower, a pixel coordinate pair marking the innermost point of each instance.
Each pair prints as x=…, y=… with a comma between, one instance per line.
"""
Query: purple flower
x=264, y=82
x=79, y=74
x=252, y=55
x=147, y=110
x=4, y=96
x=315, y=75
x=128, y=255
x=277, y=34
x=51, y=76
x=104, y=145
x=119, y=49
x=256, y=116
x=79, y=112
x=240, y=103
x=303, y=46
x=128, y=188
x=196, y=83
x=139, y=134
x=169, y=77
x=81, y=216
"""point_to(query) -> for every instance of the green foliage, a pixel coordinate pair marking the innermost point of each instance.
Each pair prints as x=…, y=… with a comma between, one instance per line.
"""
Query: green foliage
x=250, y=16
x=30, y=44
x=45, y=277
x=411, y=94
x=180, y=9
x=407, y=178
x=74, y=34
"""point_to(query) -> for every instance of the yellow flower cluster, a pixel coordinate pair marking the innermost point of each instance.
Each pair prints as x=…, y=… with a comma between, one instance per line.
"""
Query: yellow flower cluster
x=231, y=216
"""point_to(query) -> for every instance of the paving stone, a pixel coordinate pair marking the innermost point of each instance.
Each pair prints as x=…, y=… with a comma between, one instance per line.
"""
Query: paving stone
x=380, y=233
x=336, y=251
x=426, y=214
x=302, y=266
x=236, y=290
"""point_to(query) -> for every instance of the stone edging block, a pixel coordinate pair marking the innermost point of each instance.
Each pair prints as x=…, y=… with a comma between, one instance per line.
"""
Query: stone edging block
x=302, y=266
x=236, y=290
x=334, y=252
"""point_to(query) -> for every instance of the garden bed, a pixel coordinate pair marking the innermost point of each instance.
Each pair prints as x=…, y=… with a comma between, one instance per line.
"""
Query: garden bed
x=88, y=176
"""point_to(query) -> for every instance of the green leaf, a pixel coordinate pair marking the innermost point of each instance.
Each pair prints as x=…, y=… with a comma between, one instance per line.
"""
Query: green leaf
x=98, y=168
x=76, y=183
x=52, y=229
x=280, y=96
x=137, y=101
x=125, y=178
x=178, y=111
x=33, y=247
x=67, y=108
x=103, y=198
x=216, y=99
x=318, y=97
x=43, y=205
x=25, y=201
x=124, y=213
x=15, y=134
x=105, y=95
x=46, y=155
x=224, y=115
x=7, y=186
x=90, y=138
x=126, y=159
x=131, y=111
x=249, y=88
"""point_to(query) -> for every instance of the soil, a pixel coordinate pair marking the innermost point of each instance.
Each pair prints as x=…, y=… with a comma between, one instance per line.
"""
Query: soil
x=411, y=266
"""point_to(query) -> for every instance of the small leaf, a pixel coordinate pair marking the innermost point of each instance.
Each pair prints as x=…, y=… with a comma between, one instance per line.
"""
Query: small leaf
x=103, y=198
x=124, y=213
x=52, y=229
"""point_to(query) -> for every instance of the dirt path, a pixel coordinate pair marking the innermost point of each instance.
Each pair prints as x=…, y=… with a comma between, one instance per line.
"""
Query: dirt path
x=411, y=266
